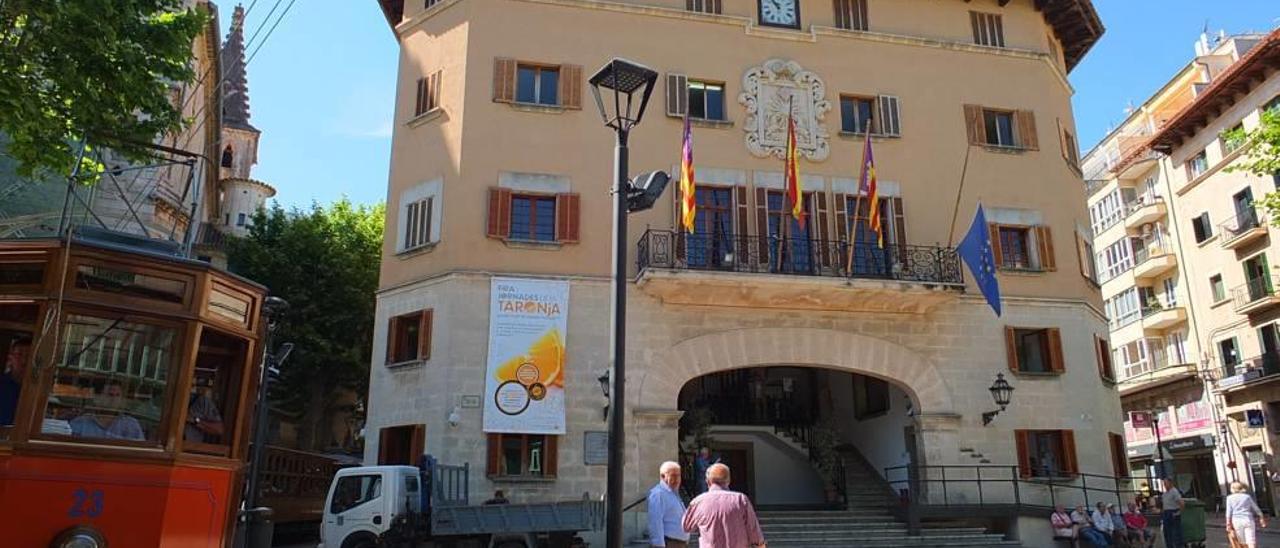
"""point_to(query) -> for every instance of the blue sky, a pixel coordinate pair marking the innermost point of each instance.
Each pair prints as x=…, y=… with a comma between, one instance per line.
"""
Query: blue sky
x=322, y=87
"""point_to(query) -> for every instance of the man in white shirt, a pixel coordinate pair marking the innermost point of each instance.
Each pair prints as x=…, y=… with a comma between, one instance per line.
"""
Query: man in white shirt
x=1103, y=523
x=1171, y=505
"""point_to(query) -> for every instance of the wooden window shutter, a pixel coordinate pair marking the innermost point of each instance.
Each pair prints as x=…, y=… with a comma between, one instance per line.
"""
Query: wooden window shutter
x=1044, y=240
x=1069, y=462
x=493, y=460
x=1119, y=459
x=1062, y=141
x=1056, y=363
x=842, y=216
x=821, y=230
x=551, y=459
x=499, y=212
x=420, y=96
x=424, y=334
x=393, y=333
x=762, y=226
x=998, y=256
x=740, y=229
x=504, y=80
x=1080, y=257
x=1021, y=441
x=1097, y=355
x=976, y=127
x=677, y=95
x=1011, y=348
x=889, y=121
x=430, y=206
x=417, y=444
x=1027, y=137
x=571, y=86
x=434, y=89
x=899, y=223
x=567, y=220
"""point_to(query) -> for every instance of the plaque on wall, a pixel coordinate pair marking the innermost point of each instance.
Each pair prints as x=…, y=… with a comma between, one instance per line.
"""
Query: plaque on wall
x=595, y=448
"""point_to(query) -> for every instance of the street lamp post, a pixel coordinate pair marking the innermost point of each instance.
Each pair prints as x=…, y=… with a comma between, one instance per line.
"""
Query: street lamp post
x=257, y=530
x=630, y=85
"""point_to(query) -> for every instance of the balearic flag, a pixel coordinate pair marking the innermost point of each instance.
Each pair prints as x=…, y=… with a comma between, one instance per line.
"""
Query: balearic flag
x=688, y=195
x=795, y=193
x=867, y=187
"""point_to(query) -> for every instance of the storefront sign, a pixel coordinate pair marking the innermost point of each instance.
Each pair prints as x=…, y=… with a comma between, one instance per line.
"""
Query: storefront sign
x=524, y=377
x=1254, y=417
x=595, y=448
x=1194, y=416
x=1140, y=419
x=1188, y=444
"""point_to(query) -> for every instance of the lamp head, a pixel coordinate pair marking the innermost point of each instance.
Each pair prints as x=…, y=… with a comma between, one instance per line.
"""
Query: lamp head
x=1001, y=391
x=630, y=85
x=603, y=379
x=454, y=418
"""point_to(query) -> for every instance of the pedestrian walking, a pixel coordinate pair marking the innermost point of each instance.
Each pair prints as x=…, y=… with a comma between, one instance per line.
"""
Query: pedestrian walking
x=701, y=462
x=1243, y=517
x=723, y=518
x=1171, y=505
x=666, y=510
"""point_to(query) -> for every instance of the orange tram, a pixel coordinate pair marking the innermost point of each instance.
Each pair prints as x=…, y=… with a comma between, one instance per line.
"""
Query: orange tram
x=126, y=397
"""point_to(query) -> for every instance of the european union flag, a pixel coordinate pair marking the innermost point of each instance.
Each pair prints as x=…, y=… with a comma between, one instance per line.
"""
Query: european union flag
x=975, y=249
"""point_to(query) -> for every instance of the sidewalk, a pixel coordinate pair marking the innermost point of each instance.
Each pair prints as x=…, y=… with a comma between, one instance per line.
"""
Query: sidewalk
x=1216, y=522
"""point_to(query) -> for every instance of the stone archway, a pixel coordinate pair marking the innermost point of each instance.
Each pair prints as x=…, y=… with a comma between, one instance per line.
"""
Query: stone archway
x=659, y=385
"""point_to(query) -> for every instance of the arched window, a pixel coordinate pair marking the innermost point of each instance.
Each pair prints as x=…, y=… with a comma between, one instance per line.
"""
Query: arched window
x=226, y=156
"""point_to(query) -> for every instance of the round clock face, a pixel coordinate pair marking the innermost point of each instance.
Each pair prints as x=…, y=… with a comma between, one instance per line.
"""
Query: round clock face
x=779, y=12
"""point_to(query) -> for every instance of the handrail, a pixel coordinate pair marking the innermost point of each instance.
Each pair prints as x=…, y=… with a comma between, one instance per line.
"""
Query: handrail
x=1009, y=485
x=1254, y=290
x=1242, y=222
x=628, y=507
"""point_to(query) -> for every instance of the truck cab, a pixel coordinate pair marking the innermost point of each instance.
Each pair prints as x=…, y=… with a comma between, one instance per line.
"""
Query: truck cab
x=364, y=502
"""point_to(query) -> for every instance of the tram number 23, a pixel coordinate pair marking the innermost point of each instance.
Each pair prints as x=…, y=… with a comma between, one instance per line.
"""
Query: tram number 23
x=86, y=503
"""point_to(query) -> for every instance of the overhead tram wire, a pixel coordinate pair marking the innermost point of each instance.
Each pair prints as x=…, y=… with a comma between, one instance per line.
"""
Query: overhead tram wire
x=187, y=100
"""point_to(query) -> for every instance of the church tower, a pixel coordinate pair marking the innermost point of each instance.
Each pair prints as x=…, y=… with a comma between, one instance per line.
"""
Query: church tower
x=239, y=195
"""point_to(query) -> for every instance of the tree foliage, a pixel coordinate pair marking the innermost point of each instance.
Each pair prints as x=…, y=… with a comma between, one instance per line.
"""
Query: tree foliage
x=90, y=69
x=324, y=262
x=1262, y=157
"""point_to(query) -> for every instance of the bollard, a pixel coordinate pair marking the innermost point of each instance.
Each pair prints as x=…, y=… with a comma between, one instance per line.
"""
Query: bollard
x=258, y=527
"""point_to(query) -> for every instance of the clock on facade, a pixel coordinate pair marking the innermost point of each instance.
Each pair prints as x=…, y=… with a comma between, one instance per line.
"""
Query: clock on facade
x=780, y=13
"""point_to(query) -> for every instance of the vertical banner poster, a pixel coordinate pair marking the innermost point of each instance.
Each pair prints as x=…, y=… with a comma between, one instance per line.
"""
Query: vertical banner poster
x=524, y=375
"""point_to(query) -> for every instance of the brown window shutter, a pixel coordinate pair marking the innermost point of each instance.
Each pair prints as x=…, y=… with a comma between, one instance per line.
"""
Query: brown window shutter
x=819, y=230
x=1080, y=255
x=1062, y=140
x=1027, y=136
x=424, y=334
x=393, y=334
x=889, y=123
x=740, y=229
x=1056, y=363
x=899, y=224
x=1011, y=348
x=1044, y=238
x=842, y=217
x=677, y=95
x=973, y=121
x=998, y=256
x=571, y=86
x=420, y=97
x=504, y=80
x=499, y=213
x=429, y=207
x=493, y=460
x=552, y=458
x=567, y=220
x=1104, y=359
x=1021, y=441
x=434, y=89
x=1069, y=462
x=1118, y=456
x=417, y=444
x=762, y=226
x=384, y=447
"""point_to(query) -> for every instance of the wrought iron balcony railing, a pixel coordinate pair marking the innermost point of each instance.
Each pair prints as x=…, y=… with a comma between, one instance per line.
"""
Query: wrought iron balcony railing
x=1253, y=291
x=1264, y=365
x=1243, y=222
x=797, y=256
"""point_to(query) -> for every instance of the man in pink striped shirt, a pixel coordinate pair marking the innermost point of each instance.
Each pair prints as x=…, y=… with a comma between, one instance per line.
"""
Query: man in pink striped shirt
x=723, y=518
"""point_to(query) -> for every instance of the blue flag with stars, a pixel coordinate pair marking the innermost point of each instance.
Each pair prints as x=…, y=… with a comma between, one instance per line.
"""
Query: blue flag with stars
x=975, y=249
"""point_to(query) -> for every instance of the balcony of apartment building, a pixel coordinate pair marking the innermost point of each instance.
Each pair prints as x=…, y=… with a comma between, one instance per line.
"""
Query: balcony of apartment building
x=1147, y=362
x=1152, y=257
x=1145, y=209
x=1158, y=316
x=1248, y=226
x=1265, y=366
x=772, y=272
x=1256, y=294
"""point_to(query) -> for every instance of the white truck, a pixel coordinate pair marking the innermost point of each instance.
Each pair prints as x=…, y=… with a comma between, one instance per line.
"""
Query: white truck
x=429, y=505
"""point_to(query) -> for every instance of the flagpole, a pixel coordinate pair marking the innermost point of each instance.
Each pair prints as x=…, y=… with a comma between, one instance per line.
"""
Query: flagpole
x=857, y=204
x=785, y=226
x=951, y=234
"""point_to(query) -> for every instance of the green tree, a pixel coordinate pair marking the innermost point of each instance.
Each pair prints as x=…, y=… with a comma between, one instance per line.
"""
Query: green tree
x=93, y=70
x=324, y=262
x=1262, y=155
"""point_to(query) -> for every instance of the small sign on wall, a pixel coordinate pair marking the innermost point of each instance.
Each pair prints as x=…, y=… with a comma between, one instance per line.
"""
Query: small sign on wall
x=595, y=448
x=470, y=402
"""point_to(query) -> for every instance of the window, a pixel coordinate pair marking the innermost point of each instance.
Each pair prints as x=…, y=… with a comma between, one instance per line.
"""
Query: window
x=1232, y=138
x=1123, y=308
x=430, y=3
x=240, y=219
x=428, y=95
x=1086, y=256
x=122, y=281
x=1197, y=165
x=988, y=29
x=1106, y=212
x=111, y=380
x=797, y=248
x=353, y=491
x=1070, y=149
x=1015, y=247
x=417, y=226
x=1105, y=368
x=1201, y=227
x=1019, y=247
x=1034, y=350
x=870, y=397
x=1001, y=128
x=409, y=337
x=215, y=388
x=548, y=218
x=537, y=85
x=1046, y=453
x=851, y=14
x=1170, y=286
x=855, y=114
x=711, y=245
x=1119, y=457
x=1229, y=355
x=703, y=6
x=521, y=455
x=401, y=445
x=706, y=100
x=227, y=157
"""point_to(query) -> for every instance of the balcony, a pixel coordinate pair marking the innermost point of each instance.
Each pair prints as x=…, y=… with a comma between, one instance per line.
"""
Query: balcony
x=1144, y=210
x=1154, y=368
x=1153, y=260
x=1257, y=368
x=1243, y=229
x=1158, y=317
x=1255, y=295
x=795, y=273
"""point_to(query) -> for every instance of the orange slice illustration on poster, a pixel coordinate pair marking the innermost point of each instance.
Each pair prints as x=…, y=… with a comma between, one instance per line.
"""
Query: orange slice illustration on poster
x=544, y=359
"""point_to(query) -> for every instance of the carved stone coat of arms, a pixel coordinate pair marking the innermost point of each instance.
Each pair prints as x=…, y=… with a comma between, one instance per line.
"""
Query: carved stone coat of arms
x=769, y=92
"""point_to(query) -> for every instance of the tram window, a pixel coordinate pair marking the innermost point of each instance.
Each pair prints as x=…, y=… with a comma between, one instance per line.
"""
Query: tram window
x=131, y=284
x=16, y=348
x=352, y=491
x=15, y=276
x=111, y=379
x=214, y=392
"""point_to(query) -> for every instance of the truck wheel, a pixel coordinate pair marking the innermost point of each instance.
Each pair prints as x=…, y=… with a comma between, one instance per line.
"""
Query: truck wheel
x=360, y=540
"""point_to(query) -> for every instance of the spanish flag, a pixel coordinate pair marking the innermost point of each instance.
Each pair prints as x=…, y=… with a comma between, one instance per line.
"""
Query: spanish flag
x=867, y=186
x=688, y=195
x=795, y=193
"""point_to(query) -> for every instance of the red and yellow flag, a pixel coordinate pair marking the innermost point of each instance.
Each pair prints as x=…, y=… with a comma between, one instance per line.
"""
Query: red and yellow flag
x=867, y=186
x=794, y=192
x=688, y=190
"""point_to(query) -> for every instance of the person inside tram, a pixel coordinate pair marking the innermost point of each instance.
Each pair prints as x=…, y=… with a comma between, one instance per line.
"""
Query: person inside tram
x=108, y=421
x=204, y=421
x=15, y=364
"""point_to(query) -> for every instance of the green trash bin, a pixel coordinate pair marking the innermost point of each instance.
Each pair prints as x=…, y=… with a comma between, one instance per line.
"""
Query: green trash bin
x=1193, y=516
